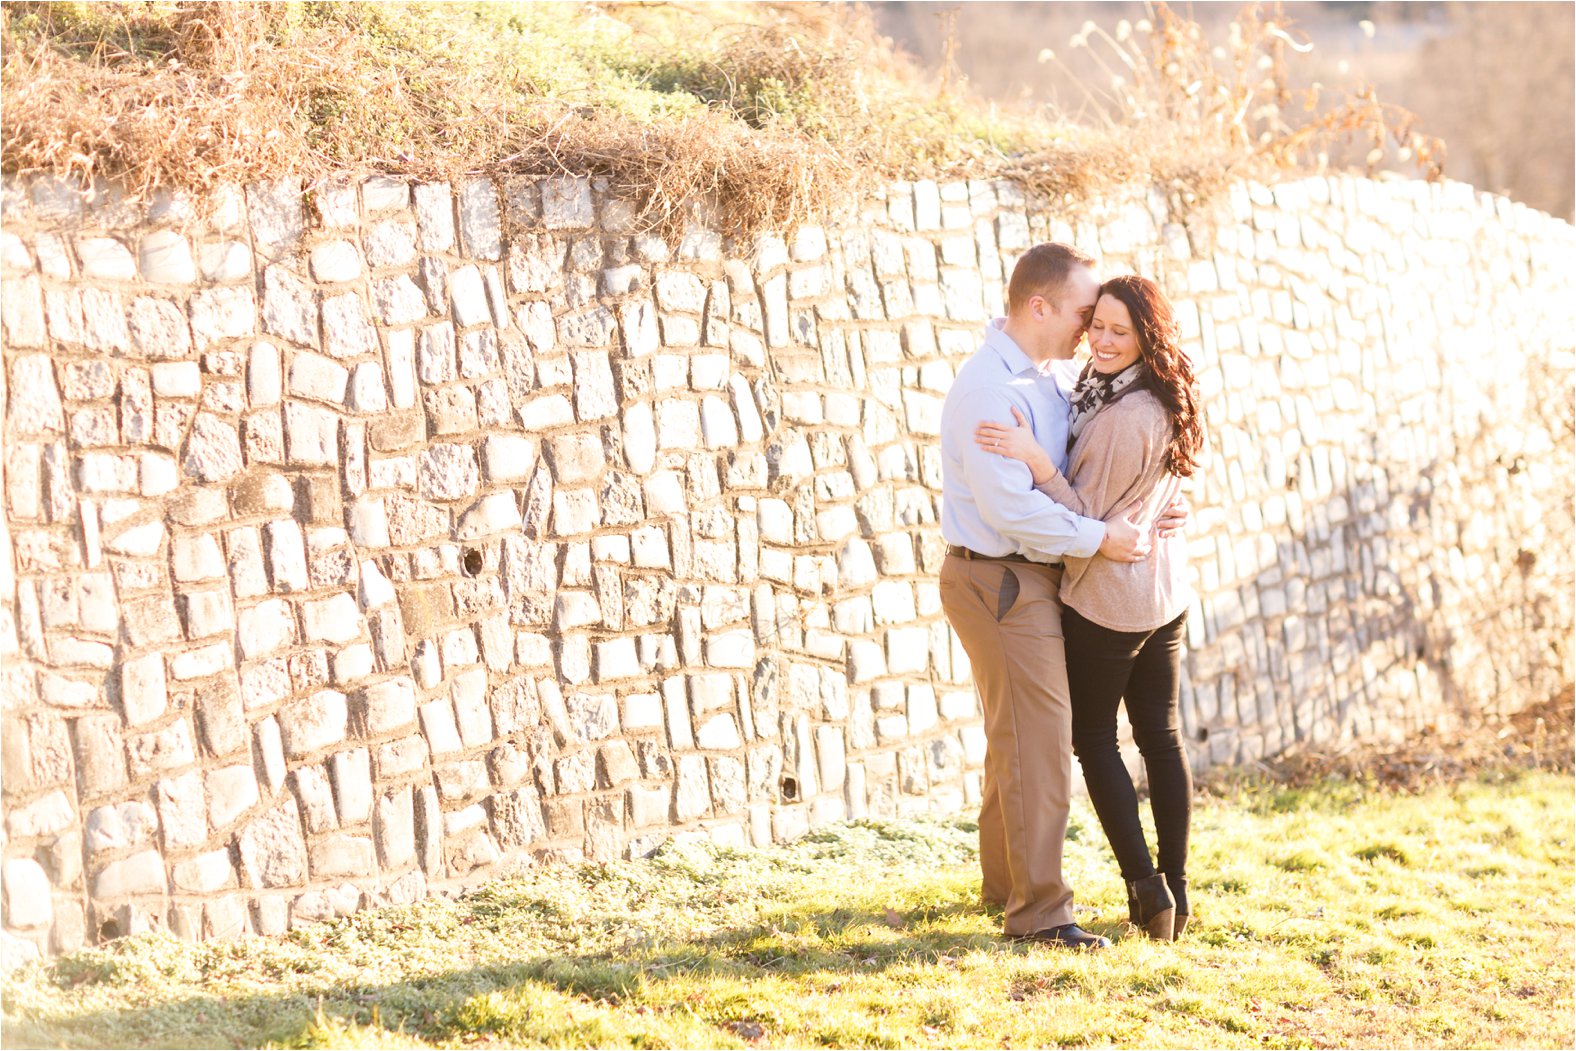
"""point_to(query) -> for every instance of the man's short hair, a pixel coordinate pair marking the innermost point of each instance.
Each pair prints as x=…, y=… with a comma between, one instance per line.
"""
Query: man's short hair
x=1042, y=271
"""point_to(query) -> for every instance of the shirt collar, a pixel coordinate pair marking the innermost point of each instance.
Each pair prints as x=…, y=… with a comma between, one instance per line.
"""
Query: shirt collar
x=1006, y=347
x=1065, y=373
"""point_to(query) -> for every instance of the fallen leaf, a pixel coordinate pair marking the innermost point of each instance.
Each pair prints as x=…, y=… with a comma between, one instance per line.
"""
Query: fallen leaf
x=747, y=1030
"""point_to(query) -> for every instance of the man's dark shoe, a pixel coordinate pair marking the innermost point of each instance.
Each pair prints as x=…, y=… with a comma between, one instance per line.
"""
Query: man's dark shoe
x=1069, y=935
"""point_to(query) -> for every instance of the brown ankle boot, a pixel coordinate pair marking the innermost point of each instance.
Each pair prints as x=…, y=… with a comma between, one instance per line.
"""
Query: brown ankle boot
x=1178, y=887
x=1156, y=908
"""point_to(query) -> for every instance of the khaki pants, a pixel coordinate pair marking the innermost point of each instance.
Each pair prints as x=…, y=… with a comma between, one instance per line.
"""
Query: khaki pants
x=1009, y=618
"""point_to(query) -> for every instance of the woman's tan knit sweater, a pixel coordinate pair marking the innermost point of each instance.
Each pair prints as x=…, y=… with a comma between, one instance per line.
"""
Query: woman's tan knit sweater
x=1119, y=458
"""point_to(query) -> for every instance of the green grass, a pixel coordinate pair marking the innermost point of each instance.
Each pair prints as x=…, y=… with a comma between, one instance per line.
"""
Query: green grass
x=1324, y=916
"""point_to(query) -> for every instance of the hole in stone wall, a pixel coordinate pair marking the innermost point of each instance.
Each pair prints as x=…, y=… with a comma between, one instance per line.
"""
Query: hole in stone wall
x=1203, y=734
x=790, y=788
x=109, y=930
x=471, y=561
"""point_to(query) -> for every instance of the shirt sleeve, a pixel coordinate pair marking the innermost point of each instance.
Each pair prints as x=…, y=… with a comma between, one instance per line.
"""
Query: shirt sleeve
x=1005, y=494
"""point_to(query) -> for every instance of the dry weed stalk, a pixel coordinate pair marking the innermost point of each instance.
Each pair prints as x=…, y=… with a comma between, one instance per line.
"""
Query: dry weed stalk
x=1193, y=115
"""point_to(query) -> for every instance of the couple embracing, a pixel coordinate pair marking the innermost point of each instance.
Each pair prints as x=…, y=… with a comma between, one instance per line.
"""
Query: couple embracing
x=1065, y=580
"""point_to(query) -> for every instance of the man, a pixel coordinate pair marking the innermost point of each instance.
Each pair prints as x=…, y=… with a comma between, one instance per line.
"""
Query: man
x=1005, y=541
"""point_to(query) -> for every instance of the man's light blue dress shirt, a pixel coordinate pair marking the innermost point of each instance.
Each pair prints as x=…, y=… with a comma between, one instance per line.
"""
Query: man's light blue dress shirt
x=988, y=502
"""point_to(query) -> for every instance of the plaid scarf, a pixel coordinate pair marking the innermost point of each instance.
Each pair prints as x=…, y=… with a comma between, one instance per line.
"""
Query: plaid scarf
x=1095, y=390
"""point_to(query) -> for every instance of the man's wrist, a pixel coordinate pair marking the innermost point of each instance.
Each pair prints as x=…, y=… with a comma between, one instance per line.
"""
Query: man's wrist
x=1091, y=535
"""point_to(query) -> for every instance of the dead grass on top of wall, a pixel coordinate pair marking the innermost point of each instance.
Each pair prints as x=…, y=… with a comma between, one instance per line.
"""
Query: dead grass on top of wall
x=775, y=114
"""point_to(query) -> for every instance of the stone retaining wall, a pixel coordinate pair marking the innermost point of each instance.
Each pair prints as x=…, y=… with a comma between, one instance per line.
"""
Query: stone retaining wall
x=363, y=543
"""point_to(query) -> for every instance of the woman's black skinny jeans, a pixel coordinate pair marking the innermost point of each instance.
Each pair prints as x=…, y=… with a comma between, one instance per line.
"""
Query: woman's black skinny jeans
x=1104, y=667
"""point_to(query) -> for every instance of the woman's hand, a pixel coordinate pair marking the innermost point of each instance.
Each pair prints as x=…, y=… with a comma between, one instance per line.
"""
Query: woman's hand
x=1017, y=443
x=1173, y=517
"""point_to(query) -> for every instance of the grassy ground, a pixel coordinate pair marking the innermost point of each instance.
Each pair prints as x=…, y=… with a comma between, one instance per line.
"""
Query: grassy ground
x=1330, y=914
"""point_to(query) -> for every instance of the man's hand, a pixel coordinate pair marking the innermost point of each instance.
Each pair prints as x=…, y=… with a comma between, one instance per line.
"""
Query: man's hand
x=1124, y=542
x=1173, y=519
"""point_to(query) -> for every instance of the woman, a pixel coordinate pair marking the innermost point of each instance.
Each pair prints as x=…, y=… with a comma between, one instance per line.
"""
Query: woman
x=1136, y=433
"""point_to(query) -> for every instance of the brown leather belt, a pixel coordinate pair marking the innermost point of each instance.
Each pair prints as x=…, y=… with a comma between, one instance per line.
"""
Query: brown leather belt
x=975, y=556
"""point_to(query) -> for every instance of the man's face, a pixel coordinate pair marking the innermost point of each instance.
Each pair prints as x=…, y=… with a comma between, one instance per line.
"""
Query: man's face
x=1068, y=318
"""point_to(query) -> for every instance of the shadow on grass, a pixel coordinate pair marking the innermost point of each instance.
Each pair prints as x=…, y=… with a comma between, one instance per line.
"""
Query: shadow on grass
x=651, y=989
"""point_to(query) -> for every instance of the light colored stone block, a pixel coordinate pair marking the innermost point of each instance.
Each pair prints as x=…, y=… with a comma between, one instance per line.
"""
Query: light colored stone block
x=367, y=392
x=388, y=706
x=398, y=301
x=263, y=385
x=718, y=426
x=447, y=472
x=143, y=690
x=336, y=261
x=481, y=233
x=139, y=874
x=313, y=723
x=435, y=216
x=165, y=258
x=469, y=297
x=232, y=791
x=213, y=449
x=616, y=659
x=391, y=242
x=566, y=203
x=317, y=377
x=382, y=193
x=347, y=330
x=437, y=723
x=334, y=619
x=106, y=259
x=265, y=628
x=203, y=661
x=194, y=558
x=311, y=434
x=287, y=556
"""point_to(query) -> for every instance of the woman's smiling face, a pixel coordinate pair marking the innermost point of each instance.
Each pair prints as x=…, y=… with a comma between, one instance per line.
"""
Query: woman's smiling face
x=1112, y=340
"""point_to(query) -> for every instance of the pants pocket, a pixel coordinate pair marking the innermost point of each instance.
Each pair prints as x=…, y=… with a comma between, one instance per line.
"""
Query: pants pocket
x=1007, y=597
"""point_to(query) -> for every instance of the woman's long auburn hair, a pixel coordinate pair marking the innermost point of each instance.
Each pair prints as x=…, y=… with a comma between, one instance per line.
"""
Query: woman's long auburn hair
x=1166, y=370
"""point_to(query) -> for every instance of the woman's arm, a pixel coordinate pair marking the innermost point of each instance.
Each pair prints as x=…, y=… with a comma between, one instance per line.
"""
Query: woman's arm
x=1018, y=443
x=1117, y=453
x=1058, y=488
x=1116, y=457
x=1121, y=441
